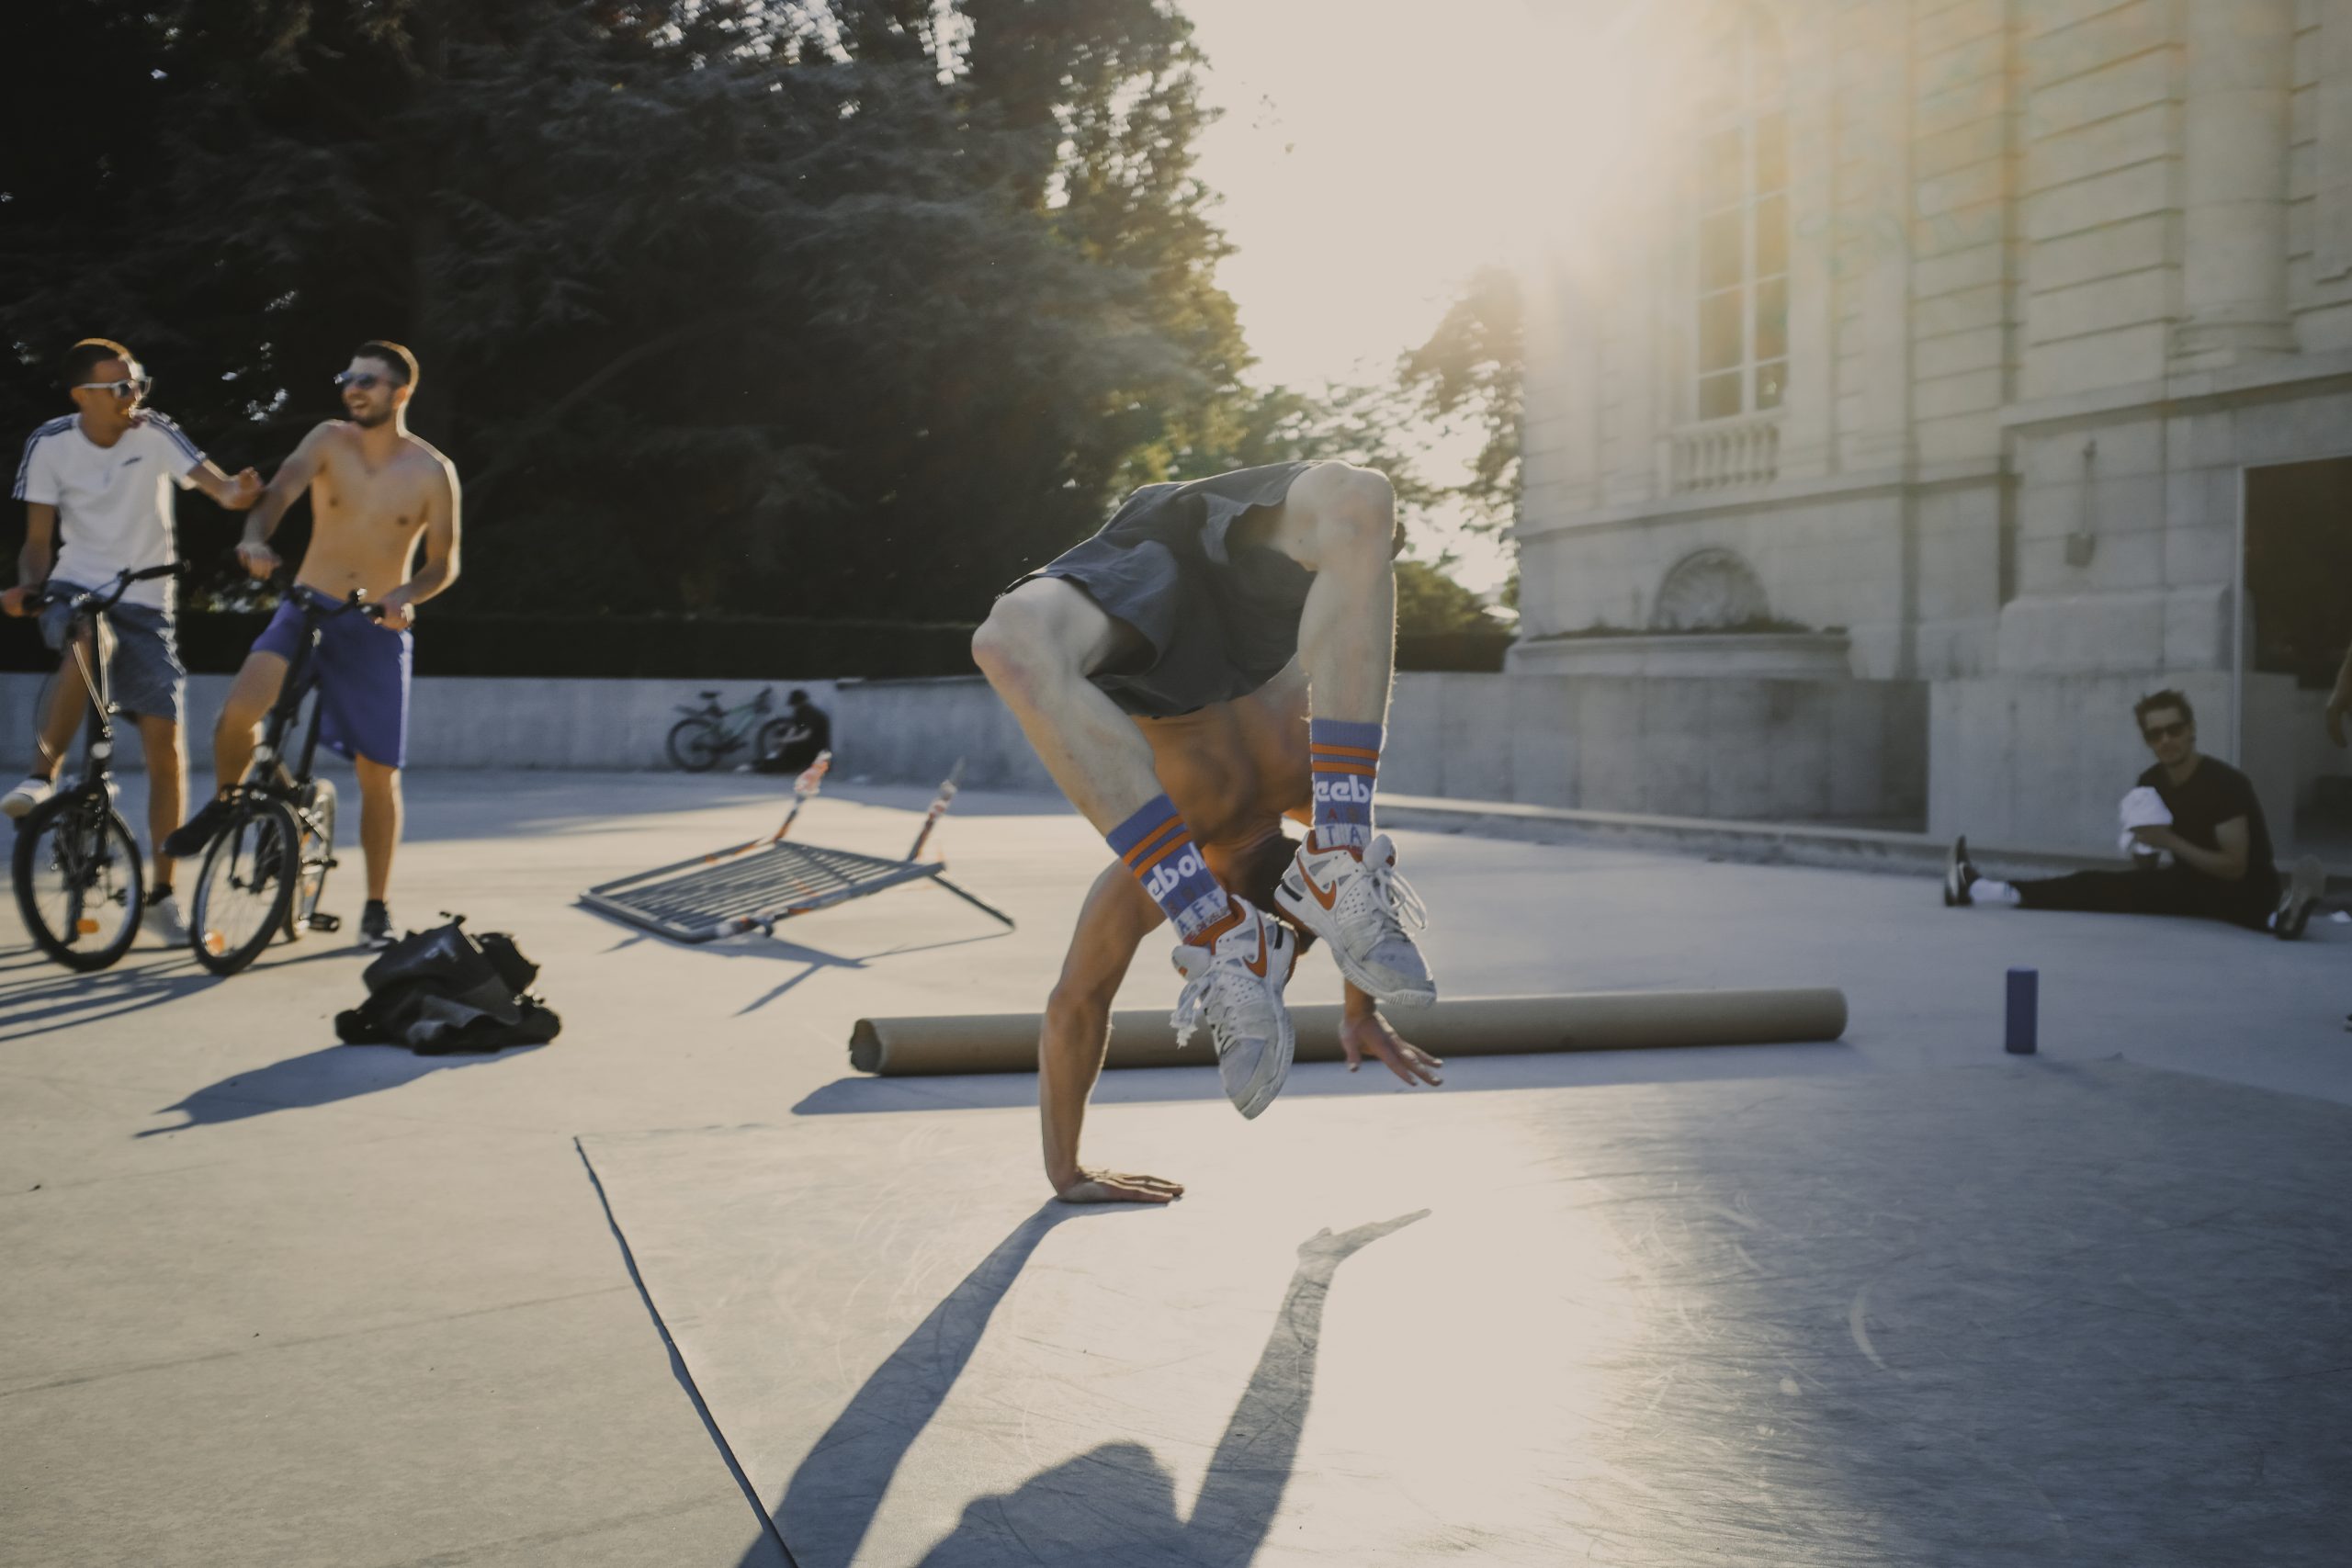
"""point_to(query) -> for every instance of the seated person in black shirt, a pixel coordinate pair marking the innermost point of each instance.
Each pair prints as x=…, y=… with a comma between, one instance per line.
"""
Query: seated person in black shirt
x=2218, y=846
x=811, y=732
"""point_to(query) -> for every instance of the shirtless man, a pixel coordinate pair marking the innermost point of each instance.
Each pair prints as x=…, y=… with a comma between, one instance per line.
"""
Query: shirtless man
x=1234, y=771
x=375, y=490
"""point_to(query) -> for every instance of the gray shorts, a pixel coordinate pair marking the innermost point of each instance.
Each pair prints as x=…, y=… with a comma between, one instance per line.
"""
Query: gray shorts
x=1218, y=616
x=148, y=678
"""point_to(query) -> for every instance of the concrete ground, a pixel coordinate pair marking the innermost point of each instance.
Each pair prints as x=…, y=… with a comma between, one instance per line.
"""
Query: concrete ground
x=274, y=1301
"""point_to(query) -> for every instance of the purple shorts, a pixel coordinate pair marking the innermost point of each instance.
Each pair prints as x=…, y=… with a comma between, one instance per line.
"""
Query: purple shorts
x=360, y=670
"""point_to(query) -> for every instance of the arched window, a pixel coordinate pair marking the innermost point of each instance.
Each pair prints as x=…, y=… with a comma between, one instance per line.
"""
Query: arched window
x=1710, y=589
x=1740, y=189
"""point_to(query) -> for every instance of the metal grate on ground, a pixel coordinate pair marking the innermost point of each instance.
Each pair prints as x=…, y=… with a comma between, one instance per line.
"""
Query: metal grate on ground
x=752, y=885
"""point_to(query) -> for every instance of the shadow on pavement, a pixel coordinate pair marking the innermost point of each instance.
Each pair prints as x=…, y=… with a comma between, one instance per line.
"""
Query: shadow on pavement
x=316, y=1078
x=1114, y=1504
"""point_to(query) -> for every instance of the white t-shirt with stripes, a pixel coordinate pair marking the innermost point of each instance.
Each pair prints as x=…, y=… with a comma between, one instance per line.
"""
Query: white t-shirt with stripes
x=114, y=503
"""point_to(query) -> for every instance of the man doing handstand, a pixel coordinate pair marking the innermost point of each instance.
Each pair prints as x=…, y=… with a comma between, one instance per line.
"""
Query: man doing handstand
x=1194, y=595
x=1233, y=770
x=375, y=490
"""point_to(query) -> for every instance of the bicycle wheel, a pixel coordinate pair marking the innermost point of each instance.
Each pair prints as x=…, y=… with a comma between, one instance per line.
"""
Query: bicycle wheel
x=247, y=886
x=79, y=881
x=695, y=745
x=316, y=848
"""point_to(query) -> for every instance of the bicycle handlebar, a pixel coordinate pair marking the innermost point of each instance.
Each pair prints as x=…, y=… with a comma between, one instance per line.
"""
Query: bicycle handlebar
x=104, y=598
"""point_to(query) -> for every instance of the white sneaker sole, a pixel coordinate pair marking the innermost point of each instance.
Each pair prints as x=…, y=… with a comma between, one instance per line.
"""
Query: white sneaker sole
x=16, y=808
x=1274, y=1072
x=1324, y=923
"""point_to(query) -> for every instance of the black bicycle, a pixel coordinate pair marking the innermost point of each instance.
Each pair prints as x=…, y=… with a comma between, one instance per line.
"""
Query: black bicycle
x=81, y=885
x=265, y=870
x=710, y=734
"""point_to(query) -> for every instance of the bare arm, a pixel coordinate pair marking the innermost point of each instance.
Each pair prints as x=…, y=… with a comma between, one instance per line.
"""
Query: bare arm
x=1110, y=924
x=38, y=554
x=285, y=487
x=2225, y=864
x=440, y=568
x=236, y=493
x=2339, y=702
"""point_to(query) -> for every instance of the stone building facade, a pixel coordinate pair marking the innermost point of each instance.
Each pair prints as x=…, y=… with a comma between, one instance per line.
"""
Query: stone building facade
x=1956, y=328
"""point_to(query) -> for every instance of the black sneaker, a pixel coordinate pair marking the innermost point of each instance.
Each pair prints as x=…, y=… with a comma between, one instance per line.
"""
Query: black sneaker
x=188, y=839
x=1958, y=873
x=2304, y=885
x=375, y=925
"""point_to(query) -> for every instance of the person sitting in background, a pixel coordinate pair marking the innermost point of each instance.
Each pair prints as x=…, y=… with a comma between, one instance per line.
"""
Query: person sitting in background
x=2194, y=823
x=811, y=733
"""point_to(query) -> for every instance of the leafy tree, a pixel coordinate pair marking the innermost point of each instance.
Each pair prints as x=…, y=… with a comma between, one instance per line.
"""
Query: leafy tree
x=854, y=308
x=1475, y=364
x=1429, y=602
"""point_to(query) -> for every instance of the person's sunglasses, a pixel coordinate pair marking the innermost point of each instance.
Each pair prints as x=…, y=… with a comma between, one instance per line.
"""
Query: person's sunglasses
x=365, y=381
x=2156, y=732
x=135, y=387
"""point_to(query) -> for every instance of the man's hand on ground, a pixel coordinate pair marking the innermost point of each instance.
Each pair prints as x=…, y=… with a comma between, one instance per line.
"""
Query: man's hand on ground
x=1113, y=1187
x=1370, y=1035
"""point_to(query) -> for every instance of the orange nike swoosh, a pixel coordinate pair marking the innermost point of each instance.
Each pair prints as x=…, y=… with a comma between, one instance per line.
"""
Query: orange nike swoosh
x=1322, y=896
x=1258, y=965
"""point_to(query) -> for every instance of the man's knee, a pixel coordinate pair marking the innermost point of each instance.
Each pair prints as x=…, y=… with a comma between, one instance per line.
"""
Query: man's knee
x=1354, y=508
x=1036, y=635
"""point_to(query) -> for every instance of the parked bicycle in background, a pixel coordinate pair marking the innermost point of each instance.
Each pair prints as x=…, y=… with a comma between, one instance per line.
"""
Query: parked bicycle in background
x=710, y=734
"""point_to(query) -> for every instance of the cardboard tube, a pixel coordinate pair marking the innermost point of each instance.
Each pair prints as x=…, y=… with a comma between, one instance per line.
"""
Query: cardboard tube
x=1473, y=1026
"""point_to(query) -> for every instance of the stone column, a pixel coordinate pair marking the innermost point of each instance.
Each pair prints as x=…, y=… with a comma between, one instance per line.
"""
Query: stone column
x=2241, y=69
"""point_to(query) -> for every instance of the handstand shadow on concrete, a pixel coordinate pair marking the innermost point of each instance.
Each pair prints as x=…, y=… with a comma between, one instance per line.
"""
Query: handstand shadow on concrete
x=314, y=1079
x=1115, y=1504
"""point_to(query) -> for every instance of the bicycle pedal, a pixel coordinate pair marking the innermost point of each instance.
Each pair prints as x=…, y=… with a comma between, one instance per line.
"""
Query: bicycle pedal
x=325, y=922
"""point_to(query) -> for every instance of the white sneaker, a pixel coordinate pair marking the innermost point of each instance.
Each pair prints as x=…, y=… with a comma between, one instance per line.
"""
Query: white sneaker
x=25, y=796
x=1362, y=908
x=1237, y=984
x=164, y=923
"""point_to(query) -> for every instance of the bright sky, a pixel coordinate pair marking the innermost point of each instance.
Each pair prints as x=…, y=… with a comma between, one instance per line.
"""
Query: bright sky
x=1372, y=153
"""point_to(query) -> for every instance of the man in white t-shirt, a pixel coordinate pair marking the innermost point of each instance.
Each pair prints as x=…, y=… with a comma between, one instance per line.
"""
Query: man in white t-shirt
x=97, y=486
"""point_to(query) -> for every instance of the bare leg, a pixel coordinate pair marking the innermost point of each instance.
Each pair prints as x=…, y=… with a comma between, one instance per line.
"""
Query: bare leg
x=1340, y=523
x=159, y=741
x=1037, y=647
x=68, y=699
x=379, y=823
x=256, y=686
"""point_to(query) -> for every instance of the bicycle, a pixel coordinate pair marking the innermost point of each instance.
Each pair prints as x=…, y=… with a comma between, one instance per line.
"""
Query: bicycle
x=709, y=733
x=74, y=856
x=265, y=869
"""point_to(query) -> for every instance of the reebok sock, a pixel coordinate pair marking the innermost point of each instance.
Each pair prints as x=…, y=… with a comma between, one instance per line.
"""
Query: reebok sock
x=1159, y=848
x=1343, y=759
x=1985, y=890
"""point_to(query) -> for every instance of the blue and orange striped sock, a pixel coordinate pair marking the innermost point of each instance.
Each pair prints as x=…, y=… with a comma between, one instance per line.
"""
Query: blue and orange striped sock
x=1159, y=848
x=1343, y=759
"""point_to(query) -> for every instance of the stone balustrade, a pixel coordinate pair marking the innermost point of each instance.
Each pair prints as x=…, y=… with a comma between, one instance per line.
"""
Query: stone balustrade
x=1723, y=452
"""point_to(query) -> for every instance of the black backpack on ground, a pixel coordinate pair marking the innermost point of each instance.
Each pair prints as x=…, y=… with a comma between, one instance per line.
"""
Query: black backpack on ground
x=446, y=990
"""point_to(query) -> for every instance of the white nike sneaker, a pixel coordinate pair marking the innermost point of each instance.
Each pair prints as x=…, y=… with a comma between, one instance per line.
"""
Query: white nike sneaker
x=1237, y=984
x=1362, y=908
x=25, y=796
x=163, y=921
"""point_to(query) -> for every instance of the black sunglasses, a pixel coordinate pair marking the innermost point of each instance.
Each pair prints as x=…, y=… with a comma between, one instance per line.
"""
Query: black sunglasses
x=2166, y=731
x=365, y=381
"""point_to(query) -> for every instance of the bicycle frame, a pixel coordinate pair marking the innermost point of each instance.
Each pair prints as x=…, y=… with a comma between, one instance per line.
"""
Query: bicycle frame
x=268, y=773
